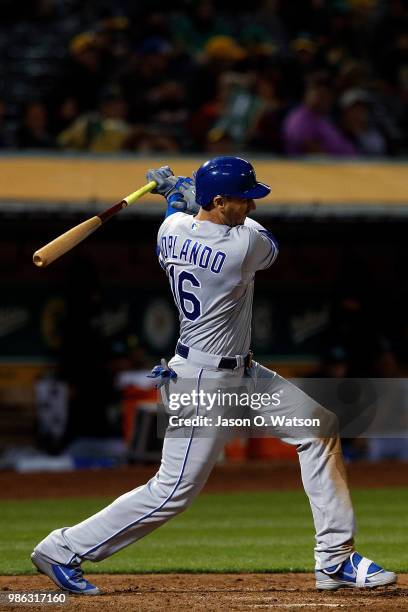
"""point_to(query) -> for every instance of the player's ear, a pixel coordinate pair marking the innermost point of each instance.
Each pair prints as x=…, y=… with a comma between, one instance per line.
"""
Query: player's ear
x=218, y=201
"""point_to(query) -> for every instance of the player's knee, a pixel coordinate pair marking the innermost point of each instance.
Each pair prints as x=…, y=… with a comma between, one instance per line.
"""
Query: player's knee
x=329, y=424
x=179, y=494
x=183, y=504
x=186, y=494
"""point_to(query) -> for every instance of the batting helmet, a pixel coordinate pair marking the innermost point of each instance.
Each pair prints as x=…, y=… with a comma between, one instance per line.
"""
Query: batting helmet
x=227, y=176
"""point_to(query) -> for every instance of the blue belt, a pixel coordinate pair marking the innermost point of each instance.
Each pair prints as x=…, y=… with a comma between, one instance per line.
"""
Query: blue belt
x=227, y=363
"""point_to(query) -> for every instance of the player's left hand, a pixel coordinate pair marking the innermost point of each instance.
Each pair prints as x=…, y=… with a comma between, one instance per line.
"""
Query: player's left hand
x=164, y=178
x=163, y=372
x=179, y=191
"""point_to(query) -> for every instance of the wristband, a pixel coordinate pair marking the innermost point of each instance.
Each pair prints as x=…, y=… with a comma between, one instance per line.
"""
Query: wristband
x=175, y=197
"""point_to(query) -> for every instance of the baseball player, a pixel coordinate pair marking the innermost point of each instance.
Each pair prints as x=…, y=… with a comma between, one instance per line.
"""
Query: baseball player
x=211, y=250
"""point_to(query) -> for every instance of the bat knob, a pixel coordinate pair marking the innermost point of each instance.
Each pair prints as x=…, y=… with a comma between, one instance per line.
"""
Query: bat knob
x=38, y=260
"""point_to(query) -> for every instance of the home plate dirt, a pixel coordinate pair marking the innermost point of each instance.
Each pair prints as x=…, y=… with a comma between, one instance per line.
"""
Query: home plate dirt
x=212, y=592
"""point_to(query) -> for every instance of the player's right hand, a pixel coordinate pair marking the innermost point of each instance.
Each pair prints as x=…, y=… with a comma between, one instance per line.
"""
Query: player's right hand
x=185, y=188
x=179, y=191
x=164, y=178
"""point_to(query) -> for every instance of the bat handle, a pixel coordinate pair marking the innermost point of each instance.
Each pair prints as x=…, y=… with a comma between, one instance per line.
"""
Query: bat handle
x=128, y=201
x=131, y=199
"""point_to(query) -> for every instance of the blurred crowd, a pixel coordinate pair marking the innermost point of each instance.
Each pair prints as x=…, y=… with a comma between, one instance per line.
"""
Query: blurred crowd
x=282, y=78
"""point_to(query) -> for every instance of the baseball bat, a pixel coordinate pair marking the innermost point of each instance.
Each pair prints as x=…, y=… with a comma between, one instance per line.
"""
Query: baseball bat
x=67, y=241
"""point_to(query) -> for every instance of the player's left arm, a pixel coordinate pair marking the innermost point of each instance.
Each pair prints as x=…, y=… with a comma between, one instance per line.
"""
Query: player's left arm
x=263, y=247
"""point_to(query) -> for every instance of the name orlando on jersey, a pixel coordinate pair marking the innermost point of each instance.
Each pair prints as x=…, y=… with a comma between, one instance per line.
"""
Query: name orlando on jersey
x=193, y=252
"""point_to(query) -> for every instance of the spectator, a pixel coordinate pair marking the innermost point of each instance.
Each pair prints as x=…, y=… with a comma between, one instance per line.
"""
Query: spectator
x=143, y=75
x=309, y=129
x=388, y=33
x=221, y=55
x=350, y=74
x=174, y=80
x=272, y=89
x=238, y=111
x=212, y=81
x=103, y=131
x=386, y=108
x=262, y=28
x=168, y=110
x=33, y=133
x=65, y=114
x=149, y=140
x=112, y=40
x=305, y=51
x=192, y=31
x=84, y=76
x=358, y=125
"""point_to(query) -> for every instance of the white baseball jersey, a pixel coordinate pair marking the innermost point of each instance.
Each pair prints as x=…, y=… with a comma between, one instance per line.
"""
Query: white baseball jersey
x=211, y=270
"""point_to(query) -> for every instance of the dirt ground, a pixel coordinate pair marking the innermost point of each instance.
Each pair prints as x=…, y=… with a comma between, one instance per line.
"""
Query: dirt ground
x=247, y=476
x=155, y=592
x=214, y=592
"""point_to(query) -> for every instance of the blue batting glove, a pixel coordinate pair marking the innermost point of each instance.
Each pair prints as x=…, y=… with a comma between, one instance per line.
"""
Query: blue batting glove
x=185, y=187
x=163, y=372
x=179, y=191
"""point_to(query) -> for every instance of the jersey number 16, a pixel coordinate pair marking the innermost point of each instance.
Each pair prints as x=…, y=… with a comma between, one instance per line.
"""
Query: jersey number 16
x=187, y=301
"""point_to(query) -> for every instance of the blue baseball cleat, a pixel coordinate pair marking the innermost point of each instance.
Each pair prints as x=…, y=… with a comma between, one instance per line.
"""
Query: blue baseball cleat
x=68, y=577
x=356, y=572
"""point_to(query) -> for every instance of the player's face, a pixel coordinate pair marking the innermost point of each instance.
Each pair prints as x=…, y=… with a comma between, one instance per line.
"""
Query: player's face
x=235, y=210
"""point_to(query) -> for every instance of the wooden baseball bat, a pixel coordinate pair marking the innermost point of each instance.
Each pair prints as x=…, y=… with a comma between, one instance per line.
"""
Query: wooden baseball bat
x=64, y=243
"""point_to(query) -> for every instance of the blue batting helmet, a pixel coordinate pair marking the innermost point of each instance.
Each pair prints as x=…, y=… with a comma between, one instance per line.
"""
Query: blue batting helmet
x=227, y=176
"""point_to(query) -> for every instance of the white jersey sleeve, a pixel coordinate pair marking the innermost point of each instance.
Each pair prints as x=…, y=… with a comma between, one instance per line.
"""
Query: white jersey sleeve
x=168, y=223
x=262, y=247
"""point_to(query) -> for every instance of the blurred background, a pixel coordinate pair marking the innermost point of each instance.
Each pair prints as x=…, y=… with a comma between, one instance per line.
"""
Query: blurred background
x=92, y=94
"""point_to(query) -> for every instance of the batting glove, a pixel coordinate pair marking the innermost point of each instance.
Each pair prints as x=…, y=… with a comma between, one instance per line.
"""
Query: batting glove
x=164, y=178
x=184, y=187
x=163, y=372
x=179, y=191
